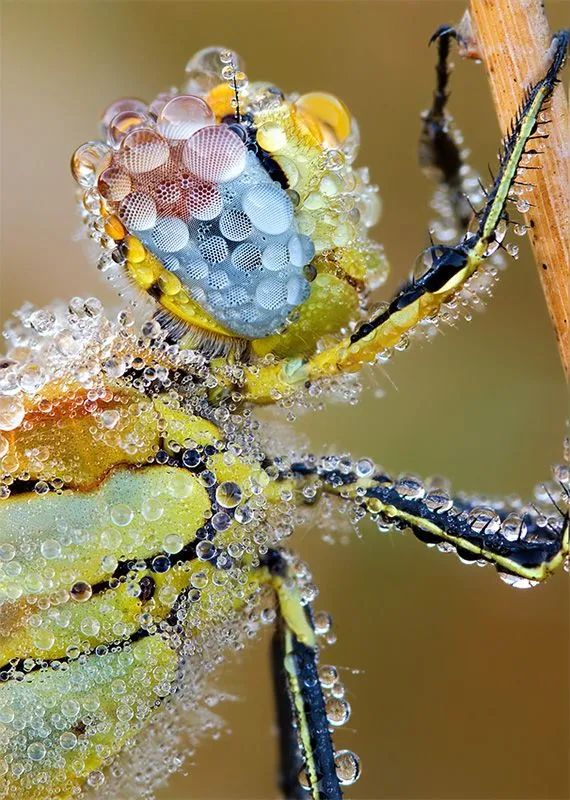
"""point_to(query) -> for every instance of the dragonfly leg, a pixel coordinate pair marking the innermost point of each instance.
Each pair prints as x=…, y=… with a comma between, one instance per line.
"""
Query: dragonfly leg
x=447, y=270
x=304, y=738
x=526, y=543
x=440, y=154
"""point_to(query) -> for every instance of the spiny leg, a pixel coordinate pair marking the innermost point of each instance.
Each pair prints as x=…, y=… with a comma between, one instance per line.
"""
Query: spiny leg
x=525, y=543
x=449, y=270
x=439, y=153
x=304, y=734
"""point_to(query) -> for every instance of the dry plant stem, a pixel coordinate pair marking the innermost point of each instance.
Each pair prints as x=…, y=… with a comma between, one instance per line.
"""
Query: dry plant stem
x=513, y=39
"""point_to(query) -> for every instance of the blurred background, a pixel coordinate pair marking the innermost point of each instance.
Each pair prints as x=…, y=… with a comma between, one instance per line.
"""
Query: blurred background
x=462, y=689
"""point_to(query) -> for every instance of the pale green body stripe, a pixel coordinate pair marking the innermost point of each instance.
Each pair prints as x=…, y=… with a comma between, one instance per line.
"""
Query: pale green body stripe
x=511, y=167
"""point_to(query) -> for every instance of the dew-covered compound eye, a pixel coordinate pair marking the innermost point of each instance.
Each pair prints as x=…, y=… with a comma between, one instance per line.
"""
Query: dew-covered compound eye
x=221, y=196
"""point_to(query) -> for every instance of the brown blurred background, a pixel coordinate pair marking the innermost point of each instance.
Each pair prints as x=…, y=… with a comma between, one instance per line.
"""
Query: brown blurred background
x=463, y=691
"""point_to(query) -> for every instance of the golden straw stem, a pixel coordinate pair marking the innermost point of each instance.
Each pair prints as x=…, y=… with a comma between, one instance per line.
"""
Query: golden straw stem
x=512, y=37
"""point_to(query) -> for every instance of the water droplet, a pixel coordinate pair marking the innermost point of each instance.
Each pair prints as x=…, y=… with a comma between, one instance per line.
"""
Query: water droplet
x=96, y=778
x=109, y=419
x=11, y=413
x=328, y=675
x=410, y=487
x=322, y=622
x=81, y=591
x=221, y=521
x=438, y=500
x=36, y=751
x=364, y=468
x=7, y=551
x=243, y=514
x=173, y=543
x=513, y=528
x=121, y=514
x=152, y=509
x=516, y=581
x=337, y=711
x=205, y=550
x=228, y=494
x=561, y=473
x=86, y=161
x=303, y=779
x=484, y=520
x=50, y=548
x=347, y=767
x=160, y=564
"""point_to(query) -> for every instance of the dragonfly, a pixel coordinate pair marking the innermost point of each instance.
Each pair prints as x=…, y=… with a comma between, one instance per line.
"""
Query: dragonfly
x=145, y=516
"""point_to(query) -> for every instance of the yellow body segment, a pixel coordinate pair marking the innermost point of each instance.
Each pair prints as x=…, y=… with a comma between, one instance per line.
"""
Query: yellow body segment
x=93, y=706
x=106, y=558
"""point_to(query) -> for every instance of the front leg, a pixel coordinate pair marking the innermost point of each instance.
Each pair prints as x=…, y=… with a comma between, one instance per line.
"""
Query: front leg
x=448, y=270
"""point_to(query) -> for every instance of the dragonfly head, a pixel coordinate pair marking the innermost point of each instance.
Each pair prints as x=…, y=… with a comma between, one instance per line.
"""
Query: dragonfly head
x=235, y=207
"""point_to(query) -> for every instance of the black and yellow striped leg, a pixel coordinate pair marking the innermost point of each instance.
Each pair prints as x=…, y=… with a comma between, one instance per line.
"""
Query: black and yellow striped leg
x=525, y=543
x=290, y=759
x=305, y=742
x=444, y=270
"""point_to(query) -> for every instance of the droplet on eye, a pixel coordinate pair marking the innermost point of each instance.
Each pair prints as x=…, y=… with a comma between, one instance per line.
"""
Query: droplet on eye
x=247, y=257
x=298, y=290
x=86, y=162
x=214, y=249
x=130, y=104
x=235, y=225
x=219, y=280
x=203, y=200
x=182, y=116
x=138, y=212
x=170, y=234
x=124, y=123
x=301, y=250
x=114, y=184
x=271, y=294
x=275, y=257
x=195, y=268
x=215, y=154
x=167, y=193
x=268, y=207
x=236, y=296
x=144, y=150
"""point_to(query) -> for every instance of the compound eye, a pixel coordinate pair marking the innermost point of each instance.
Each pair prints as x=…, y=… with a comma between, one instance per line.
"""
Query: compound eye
x=207, y=208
